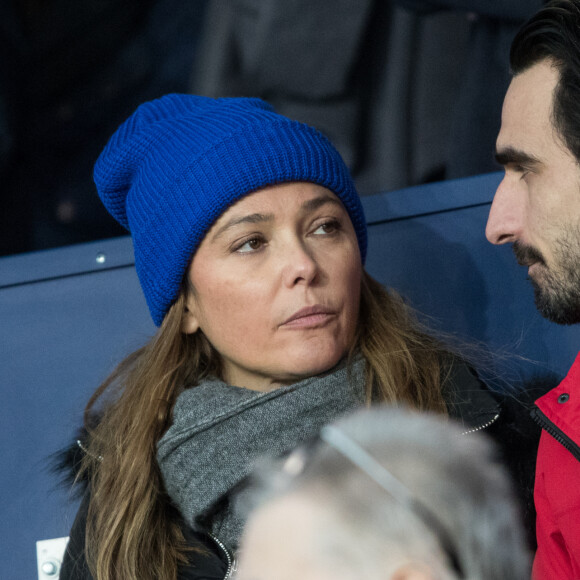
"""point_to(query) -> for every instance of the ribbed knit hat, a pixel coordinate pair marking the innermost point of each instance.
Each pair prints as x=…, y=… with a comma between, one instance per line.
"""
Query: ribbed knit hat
x=171, y=170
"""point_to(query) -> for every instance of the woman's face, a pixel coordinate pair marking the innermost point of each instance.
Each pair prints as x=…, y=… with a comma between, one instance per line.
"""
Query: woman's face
x=277, y=285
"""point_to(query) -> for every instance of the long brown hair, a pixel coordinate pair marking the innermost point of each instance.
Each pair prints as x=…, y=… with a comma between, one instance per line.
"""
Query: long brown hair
x=132, y=529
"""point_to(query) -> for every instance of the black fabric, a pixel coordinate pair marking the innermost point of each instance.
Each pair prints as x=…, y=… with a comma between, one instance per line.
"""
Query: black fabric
x=515, y=433
x=74, y=565
x=468, y=399
x=508, y=10
x=209, y=565
x=473, y=122
x=409, y=91
x=518, y=437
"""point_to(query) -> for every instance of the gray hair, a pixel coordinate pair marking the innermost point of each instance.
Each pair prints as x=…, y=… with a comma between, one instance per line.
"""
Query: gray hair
x=406, y=486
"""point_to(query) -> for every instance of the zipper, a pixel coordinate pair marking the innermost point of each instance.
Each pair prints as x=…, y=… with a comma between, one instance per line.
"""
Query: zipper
x=86, y=451
x=231, y=560
x=482, y=427
x=556, y=433
x=230, y=557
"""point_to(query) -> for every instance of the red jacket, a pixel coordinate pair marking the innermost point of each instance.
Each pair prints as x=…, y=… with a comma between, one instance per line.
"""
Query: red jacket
x=557, y=486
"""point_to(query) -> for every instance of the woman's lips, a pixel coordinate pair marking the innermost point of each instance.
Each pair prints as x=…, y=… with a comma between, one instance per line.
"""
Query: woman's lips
x=309, y=317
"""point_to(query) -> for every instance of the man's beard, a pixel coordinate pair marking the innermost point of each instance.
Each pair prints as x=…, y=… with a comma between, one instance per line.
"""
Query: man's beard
x=556, y=292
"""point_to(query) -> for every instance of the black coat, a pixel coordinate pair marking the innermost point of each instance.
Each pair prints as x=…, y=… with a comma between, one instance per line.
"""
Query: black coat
x=211, y=565
x=505, y=419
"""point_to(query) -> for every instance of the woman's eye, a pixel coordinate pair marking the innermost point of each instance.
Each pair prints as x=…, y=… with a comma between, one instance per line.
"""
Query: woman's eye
x=328, y=227
x=250, y=245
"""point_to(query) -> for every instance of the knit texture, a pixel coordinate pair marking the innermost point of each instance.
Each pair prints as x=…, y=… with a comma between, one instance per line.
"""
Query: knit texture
x=171, y=170
x=219, y=431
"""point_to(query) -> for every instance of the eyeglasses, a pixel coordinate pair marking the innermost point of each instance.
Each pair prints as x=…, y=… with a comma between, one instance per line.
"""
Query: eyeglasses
x=350, y=449
x=297, y=461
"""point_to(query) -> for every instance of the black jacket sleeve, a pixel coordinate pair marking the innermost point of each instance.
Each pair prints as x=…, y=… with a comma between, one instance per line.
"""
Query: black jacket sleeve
x=209, y=565
x=74, y=565
x=505, y=417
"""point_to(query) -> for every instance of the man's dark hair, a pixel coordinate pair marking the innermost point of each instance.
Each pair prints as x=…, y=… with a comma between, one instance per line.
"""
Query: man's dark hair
x=554, y=33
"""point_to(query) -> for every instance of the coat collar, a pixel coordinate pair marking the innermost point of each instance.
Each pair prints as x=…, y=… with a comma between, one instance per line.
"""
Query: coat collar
x=561, y=405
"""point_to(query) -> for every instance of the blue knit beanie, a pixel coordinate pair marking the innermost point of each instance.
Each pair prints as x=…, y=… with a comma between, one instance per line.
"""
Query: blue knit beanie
x=172, y=169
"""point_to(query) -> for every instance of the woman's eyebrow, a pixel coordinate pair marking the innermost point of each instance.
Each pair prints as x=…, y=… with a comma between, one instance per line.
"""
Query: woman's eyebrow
x=254, y=218
x=316, y=202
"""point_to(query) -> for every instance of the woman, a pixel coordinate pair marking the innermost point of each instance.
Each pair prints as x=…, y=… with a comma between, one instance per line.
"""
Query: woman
x=249, y=242
x=375, y=499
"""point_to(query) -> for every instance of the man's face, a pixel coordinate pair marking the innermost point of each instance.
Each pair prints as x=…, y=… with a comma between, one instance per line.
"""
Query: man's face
x=537, y=205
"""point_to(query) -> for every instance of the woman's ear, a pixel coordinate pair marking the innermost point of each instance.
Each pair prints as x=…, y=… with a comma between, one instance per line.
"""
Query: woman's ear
x=189, y=319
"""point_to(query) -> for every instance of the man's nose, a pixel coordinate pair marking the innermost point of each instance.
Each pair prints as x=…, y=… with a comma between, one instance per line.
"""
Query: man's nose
x=505, y=220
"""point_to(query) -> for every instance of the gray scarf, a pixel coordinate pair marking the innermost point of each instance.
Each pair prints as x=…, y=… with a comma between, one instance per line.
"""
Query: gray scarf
x=219, y=431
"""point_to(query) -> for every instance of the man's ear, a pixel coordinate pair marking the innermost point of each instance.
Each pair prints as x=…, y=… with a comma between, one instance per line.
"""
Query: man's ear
x=189, y=319
x=412, y=572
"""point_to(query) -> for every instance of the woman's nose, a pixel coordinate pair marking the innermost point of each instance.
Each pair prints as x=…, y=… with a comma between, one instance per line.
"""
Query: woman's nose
x=505, y=220
x=299, y=264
